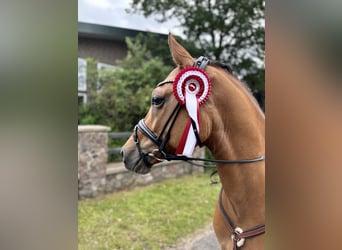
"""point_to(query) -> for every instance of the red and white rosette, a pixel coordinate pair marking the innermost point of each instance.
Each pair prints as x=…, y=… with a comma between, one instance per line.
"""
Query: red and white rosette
x=191, y=88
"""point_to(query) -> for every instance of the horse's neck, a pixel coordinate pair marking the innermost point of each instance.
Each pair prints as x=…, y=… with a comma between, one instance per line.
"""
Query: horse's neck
x=240, y=135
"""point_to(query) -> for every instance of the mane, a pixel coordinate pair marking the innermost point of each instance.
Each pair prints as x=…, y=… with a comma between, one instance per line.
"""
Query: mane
x=228, y=69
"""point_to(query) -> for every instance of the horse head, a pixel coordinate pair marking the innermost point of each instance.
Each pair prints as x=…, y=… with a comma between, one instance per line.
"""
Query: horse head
x=159, y=134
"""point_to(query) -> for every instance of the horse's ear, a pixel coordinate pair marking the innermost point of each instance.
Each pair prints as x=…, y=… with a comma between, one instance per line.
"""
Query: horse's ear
x=180, y=55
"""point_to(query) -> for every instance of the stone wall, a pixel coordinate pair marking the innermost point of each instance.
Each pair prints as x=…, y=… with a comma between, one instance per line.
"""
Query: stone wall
x=92, y=160
x=119, y=178
x=96, y=176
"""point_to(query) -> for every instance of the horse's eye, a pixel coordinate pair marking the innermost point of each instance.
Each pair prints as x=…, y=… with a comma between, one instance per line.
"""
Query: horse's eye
x=157, y=101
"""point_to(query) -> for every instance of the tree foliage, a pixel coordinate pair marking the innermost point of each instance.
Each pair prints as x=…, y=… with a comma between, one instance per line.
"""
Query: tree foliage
x=123, y=95
x=158, y=46
x=231, y=31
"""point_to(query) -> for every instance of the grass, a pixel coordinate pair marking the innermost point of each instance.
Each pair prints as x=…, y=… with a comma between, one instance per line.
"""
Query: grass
x=152, y=217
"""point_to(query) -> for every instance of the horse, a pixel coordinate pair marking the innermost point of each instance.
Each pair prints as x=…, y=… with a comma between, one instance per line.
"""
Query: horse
x=230, y=124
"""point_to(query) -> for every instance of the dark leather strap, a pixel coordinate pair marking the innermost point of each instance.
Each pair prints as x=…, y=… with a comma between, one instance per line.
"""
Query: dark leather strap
x=236, y=236
x=147, y=132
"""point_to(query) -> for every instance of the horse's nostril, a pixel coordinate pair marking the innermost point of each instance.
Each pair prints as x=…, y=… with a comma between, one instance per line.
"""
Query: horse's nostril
x=122, y=155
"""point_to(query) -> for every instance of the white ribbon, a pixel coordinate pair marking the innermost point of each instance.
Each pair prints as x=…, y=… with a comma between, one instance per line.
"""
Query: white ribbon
x=191, y=105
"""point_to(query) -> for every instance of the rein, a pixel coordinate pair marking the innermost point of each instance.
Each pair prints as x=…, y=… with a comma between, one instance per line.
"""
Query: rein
x=174, y=157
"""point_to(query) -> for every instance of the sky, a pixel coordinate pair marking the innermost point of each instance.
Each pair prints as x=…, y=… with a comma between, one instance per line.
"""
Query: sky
x=112, y=13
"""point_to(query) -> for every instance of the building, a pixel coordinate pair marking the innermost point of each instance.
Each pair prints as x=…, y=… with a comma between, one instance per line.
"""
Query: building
x=105, y=44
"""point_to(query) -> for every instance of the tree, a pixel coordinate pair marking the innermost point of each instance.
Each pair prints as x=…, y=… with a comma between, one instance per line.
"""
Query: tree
x=158, y=46
x=123, y=95
x=231, y=31
x=92, y=78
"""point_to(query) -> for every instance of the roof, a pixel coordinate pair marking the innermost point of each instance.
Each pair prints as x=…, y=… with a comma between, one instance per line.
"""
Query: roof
x=109, y=32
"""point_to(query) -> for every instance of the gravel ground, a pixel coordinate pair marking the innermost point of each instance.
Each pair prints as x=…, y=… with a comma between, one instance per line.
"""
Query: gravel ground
x=203, y=239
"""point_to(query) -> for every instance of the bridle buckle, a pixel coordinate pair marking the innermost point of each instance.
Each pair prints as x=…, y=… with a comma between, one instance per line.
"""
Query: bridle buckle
x=236, y=239
x=152, y=154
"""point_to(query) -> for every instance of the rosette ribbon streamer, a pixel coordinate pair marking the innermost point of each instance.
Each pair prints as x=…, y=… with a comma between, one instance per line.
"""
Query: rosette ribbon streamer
x=191, y=88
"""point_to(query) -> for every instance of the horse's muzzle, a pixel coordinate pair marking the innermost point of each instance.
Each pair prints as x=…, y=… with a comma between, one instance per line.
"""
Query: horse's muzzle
x=136, y=162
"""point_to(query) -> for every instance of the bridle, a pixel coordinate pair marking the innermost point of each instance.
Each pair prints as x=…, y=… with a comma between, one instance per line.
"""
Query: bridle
x=237, y=234
x=201, y=62
x=156, y=139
